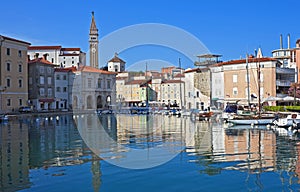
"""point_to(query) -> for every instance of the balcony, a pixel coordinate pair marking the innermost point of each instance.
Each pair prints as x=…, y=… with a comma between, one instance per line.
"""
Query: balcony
x=285, y=71
x=283, y=83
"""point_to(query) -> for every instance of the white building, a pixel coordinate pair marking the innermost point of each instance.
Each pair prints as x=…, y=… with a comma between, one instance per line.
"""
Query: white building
x=194, y=99
x=116, y=64
x=93, y=89
x=172, y=92
x=63, y=57
x=217, y=86
x=63, y=78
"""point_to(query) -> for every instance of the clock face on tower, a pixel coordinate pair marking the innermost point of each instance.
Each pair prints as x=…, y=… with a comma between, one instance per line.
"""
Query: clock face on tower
x=93, y=50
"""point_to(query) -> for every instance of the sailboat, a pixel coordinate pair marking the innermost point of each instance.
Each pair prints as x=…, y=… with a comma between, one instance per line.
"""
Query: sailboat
x=252, y=119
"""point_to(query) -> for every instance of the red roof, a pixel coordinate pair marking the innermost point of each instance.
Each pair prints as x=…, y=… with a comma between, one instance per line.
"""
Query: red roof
x=179, y=75
x=40, y=60
x=95, y=70
x=70, y=54
x=70, y=49
x=137, y=82
x=47, y=100
x=116, y=59
x=172, y=81
x=43, y=47
x=197, y=70
x=250, y=60
x=16, y=40
x=68, y=69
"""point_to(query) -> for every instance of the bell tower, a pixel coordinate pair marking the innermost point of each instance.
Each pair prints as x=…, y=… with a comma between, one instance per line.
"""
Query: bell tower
x=94, y=43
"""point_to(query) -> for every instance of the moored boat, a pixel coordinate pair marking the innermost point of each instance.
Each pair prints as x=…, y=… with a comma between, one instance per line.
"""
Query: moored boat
x=264, y=119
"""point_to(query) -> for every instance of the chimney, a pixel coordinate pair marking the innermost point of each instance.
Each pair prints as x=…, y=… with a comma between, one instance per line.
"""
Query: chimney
x=281, y=47
x=45, y=56
x=288, y=39
x=36, y=56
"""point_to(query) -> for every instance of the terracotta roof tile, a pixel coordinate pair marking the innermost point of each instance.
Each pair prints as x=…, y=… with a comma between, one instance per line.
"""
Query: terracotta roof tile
x=41, y=60
x=95, y=70
x=68, y=69
x=250, y=60
x=172, y=81
x=116, y=59
x=43, y=47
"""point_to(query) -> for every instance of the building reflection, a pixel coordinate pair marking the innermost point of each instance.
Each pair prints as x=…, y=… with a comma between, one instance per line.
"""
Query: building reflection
x=14, y=170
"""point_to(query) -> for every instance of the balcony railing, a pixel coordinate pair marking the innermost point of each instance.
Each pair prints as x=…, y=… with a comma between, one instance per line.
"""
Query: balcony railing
x=283, y=83
x=285, y=70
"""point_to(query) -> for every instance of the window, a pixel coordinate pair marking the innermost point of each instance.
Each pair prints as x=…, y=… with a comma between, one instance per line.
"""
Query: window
x=42, y=92
x=49, y=70
x=42, y=80
x=49, y=92
x=8, y=102
x=235, y=91
x=197, y=94
x=65, y=77
x=89, y=83
x=108, y=84
x=234, y=78
x=41, y=69
x=49, y=80
x=20, y=102
x=65, y=89
x=8, y=51
x=58, y=89
x=7, y=66
x=20, y=68
x=99, y=83
x=20, y=83
x=52, y=60
x=30, y=80
x=57, y=77
x=8, y=83
x=20, y=53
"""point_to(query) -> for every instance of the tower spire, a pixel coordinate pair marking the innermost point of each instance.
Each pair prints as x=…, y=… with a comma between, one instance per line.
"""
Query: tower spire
x=93, y=43
x=93, y=27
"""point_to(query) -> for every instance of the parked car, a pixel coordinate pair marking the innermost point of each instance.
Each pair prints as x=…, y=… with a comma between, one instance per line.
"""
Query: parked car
x=25, y=109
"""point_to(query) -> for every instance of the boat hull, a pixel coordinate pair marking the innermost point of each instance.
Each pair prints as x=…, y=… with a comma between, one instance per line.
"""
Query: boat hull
x=251, y=121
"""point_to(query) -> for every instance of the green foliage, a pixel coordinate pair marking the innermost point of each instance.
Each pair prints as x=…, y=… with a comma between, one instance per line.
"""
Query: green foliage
x=281, y=108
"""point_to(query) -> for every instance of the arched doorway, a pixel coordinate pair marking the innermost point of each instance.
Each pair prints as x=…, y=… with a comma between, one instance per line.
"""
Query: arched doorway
x=89, y=102
x=108, y=101
x=99, y=102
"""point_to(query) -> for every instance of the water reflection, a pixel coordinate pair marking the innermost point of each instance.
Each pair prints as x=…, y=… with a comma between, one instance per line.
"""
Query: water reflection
x=14, y=170
x=45, y=142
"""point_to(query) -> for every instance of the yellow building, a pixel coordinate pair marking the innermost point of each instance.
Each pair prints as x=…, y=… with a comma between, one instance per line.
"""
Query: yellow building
x=13, y=74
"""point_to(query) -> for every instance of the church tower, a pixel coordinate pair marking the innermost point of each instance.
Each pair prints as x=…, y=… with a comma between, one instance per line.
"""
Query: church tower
x=94, y=43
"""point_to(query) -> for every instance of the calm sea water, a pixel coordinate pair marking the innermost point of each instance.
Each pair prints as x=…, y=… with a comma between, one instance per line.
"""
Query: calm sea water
x=143, y=153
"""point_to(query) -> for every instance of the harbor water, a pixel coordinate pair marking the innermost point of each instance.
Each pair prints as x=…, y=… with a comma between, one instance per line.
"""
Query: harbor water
x=121, y=152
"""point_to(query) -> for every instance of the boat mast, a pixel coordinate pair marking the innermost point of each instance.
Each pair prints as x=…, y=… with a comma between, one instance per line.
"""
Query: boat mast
x=248, y=79
x=258, y=79
x=180, y=84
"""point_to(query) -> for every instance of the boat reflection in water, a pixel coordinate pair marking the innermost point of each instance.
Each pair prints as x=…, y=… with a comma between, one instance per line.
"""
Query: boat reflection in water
x=55, y=153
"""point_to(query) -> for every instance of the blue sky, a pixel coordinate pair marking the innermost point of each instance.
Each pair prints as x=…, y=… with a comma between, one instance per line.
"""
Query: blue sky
x=228, y=27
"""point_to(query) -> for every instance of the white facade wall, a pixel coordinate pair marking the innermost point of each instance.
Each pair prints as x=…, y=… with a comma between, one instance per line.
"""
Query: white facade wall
x=53, y=54
x=194, y=99
x=61, y=89
x=217, y=85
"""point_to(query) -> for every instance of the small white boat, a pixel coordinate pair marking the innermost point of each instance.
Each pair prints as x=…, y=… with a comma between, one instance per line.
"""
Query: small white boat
x=252, y=120
x=291, y=120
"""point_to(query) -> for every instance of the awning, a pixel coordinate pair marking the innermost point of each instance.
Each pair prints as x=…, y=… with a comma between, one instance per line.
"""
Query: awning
x=46, y=100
